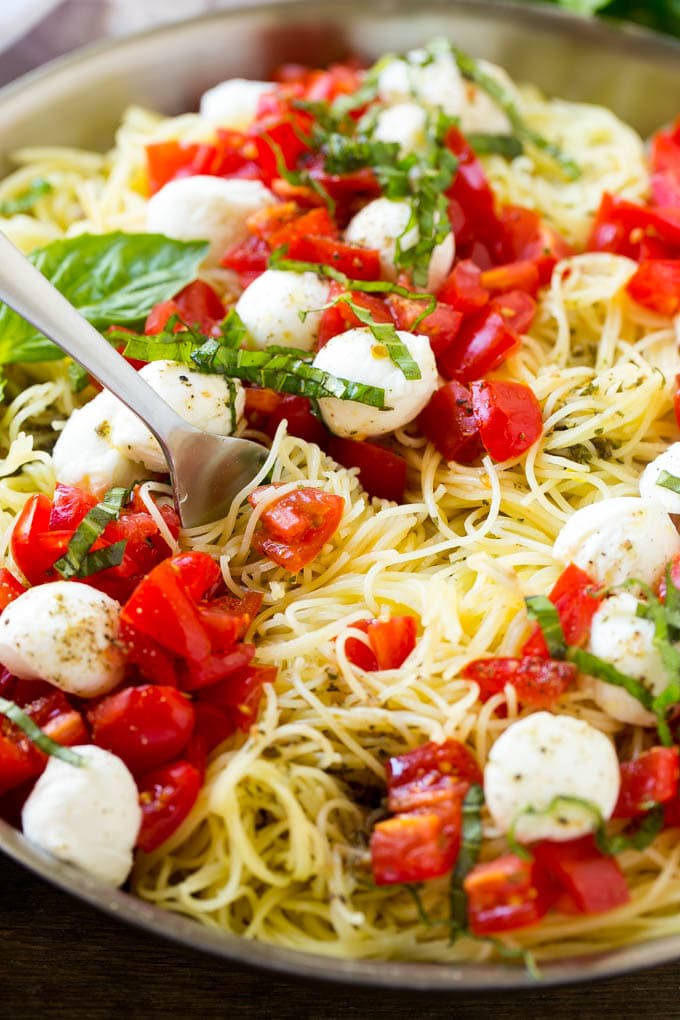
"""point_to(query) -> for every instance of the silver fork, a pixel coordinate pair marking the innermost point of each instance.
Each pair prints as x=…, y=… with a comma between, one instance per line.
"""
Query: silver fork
x=206, y=471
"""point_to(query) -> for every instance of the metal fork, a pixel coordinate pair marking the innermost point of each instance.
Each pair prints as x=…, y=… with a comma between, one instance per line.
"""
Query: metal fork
x=206, y=471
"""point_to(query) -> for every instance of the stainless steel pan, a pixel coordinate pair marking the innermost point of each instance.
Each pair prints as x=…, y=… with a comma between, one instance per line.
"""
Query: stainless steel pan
x=78, y=101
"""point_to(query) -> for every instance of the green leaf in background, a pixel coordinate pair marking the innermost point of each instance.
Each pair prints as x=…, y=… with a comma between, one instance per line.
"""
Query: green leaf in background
x=110, y=278
x=661, y=15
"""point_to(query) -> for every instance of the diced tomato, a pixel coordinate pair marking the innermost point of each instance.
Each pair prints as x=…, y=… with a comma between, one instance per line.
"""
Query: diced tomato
x=238, y=698
x=294, y=528
x=463, y=288
x=20, y=759
x=146, y=726
x=440, y=326
x=448, y=422
x=166, y=161
x=656, y=285
x=471, y=205
x=166, y=796
x=508, y=415
x=519, y=275
x=70, y=505
x=10, y=588
x=664, y=157
x=163, y=605
x=649, y=779
x=249, y=259
x=214, y=669
x=539, y=682
x=595, y=882
x=339, y=317
x=620, y=227
x=266, y=409
x=530, y=237
x=153, y=662
x=505, y=894
x=32, y=558
x=517, y=308
x=483, y=343
x=355, y=261
x=281, y=134
x=197, y=305
x=381, y=472
x=315, y=223
x=416, y=779
x=413, y=847
x=391, y=642
x=577, y=599
x=267, y=221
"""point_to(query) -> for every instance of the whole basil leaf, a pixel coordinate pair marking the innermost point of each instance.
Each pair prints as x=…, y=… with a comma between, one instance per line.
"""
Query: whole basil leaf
x=110, y=278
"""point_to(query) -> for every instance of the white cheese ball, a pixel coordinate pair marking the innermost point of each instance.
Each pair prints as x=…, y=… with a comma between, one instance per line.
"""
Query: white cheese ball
x=212, y=403
x=479, y=113
x=404, y=123
x=619, y=539
x=203, y=208
x=270, y=309
x=668, y=461
x=626, y=641
x=86, y=815
x=434, y=82
x=64, y=632
x=381, y=222
x=544, y=756
x=356, y=355
x=83, y=454
x=233, y=104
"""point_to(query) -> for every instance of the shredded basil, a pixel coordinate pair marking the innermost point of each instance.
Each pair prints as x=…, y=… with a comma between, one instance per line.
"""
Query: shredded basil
x=500, y=145
x=78, y=378
x=470, y=69
x=586, y=662
x=27, y=199
x=386, y=334
x=471, y=842
x=544, y=612
x=655, y=610
x=78, y=560
x=668, y=481
x=16, y=715
x=637, y=838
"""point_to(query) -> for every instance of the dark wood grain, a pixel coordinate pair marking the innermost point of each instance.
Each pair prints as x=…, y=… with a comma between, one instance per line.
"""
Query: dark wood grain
x=61, y=958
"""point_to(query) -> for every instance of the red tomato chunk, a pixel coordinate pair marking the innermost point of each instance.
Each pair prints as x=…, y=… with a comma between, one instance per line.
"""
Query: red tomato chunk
x=505, y=894
x=391, y=642
x=594, y=882
x=577, y=599
x=416, y=846
x=294, y=529
x=166, y=796
x=539, y=682
x=650, y=779
x=508, y=415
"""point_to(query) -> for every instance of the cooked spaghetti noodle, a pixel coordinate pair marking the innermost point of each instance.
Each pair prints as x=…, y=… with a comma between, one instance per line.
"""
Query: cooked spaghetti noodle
x=276, y=846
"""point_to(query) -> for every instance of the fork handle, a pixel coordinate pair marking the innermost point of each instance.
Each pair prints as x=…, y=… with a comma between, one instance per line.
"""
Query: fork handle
x=34, y=298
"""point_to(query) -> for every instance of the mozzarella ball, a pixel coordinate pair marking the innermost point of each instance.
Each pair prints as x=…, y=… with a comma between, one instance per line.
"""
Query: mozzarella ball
x=270, y=309
x=233, y=104
x=356, y=355
x=668, y=461
x=404, y=123
x=83, y=454
x=542, y=757
x=203, y=208
x=619, y=539
x=212, y=403
x=381, y=222
x=626, y=641
x=434, y=82
x=479, y=112
x=64, y=632
x=87, y=815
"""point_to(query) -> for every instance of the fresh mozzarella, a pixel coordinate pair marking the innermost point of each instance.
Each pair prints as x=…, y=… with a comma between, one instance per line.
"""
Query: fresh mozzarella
x=210, y=402
x=64, y=632
x=404, y=123
x=203, y=208
x=626, y=641
x=540, y=758
x=619, y=539
x=233, y=104
x=668, y=461
x=83, y=454
x=272, y=305
x=88, y=815
x=380, y=223
x=358, y=356
x=438, y=84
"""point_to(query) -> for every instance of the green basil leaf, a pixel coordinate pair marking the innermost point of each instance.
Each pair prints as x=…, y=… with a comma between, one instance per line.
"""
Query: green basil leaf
x=506, y=146
x=637, y=838
x=586, y=662
x=470, y=846
x=386, y=334
x=544, y=612
x=27, y=199
x=78, y=560
x=12, y=712
x=110, y=278
x=668, y=481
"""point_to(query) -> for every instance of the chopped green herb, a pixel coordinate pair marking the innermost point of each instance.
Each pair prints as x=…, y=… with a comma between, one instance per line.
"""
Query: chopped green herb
x=500, y=145
x=471, y=842
x=636, y=838
x=77, y=377
x=668, y=481
x=544, y=612
x=27, y=199
x=586, y=662
x=78, y=560
x=12, y=712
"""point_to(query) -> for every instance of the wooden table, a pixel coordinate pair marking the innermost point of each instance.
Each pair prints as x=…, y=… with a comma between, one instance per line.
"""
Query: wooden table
x=61, y=958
